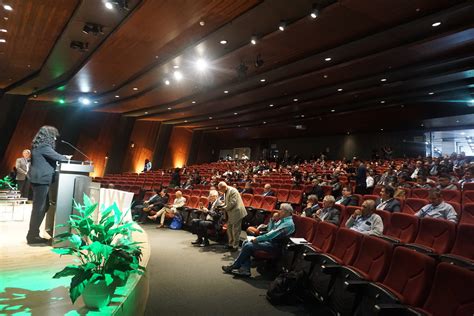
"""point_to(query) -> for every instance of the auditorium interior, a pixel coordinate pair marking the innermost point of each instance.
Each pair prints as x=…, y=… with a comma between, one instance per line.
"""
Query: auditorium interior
x=237, y=157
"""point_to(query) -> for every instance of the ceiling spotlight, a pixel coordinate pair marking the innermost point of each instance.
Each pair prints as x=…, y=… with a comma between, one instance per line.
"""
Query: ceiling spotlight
x=253, y=39
x=92, y=28
x=431, y=93
x=235, y=113
x=382, y=101
x=226, y=91
x=210, y=117
x=201, y=64
x=470, y=102
x=3, y=30
x=333, y=110
x=96, y=102
x=383, y=79
x=295, y=100
x=457, y=121
x=263, y=80
x=80, y=46
x=84, y=101
x=7, y=7
x=340, y=89
x=177, y=75
x=146, y=112
x=381, y=129
x=117, y=96
x=282, y=25
x=223, y=42
x=436, y=24
x=302, y=115
x=169, y=108
x=202, y=23
x=328, y=59
x=271, y=105
x=264, y=122
x=123, y=4
x=193, y=102
x=3, y=40
x=217, y=127
x=185, y=121
x=135, y=89
x=167, y=82
x=462, y=133
x=176, y=67
x=109, y=5
x=315, y=12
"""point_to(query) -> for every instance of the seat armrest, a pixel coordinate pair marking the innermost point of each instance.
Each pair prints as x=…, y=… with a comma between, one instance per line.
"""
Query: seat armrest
x=420, y=248
x=390, y=239
x=382, y=294
x=356, y=285
x=294, y=247
x=330, y=268
x=395, y=309
x=457, y=260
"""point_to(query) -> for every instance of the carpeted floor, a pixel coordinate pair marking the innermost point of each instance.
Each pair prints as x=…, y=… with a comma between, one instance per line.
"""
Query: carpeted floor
x=188, y=280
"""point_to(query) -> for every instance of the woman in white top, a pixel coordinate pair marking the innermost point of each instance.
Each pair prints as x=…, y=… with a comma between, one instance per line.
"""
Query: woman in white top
x=178, y=202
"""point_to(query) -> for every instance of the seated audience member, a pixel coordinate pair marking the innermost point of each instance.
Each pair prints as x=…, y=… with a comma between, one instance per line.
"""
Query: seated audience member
x=387, y=202
x=151, y=206
x=328, y=213
x=421, y=183
x=438, y=208
x=263, y=228
x=316, y=189
x=267, y=190
x=418, y=171
x=336, y=187
x=365, y=221
x=247, y=189
x=347, y=199
x=209, y=217
x=271, y=241
x=467, y=178
x=445, y=183
x=188, y=185
x=178, y=202
x=311, y=207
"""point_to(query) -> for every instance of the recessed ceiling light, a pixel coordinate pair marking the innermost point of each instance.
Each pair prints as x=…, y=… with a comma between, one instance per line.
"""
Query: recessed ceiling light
x=328, y=59
x=340, y=89
x=271, y=105
x=5, y=18
x=156, y=57
x=169, y=108
x=382, y=101
x=348, y=133
x=3, y=30
x=146, y=112
x=109, y=5
x=85, y=101
x=177, y=75
x=193, y=102
x=167, y=82
x=210, y=117
x=302, y=115
x=235, y=113
x=176, y=66
x=2, y=40
x=263, y=80
x=282, y=26
x=462, y=133
x=117, y=96
x=422, y=125
x=96, y=102
x=325, y=76
x=185, y=121
x=431, y=93
x=264, y=122
x=436, y=24
x=217, y=127
x=383, y=79
x=333, y=110
x=315, y=12
x=226, y=91
x=223, y=42
x=253, y=40
x=295, y=100
x=7, y=7
x=202, y=23
x=457, y=121
x=381, y=129
x=135, y=88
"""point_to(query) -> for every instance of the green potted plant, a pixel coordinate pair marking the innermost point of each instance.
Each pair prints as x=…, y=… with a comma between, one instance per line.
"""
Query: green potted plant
x=7, y=184
x=107, y=255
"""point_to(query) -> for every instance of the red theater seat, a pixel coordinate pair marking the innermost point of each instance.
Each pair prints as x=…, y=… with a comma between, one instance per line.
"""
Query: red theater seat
x=420, y=193
x=403, y=227
x=435, y=235
x=304, y=227
x=247, y=199
x=451, y=196
x=269, y=203
x=467, y=216
x=467, y=196
x=385, y=215
x=413, y=205
x=463, y=249
x=295, y=196
x=282, y=195
x=468, y=186
x=371, y=197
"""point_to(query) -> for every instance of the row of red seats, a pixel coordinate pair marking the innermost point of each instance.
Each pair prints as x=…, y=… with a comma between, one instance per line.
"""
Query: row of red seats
x=344, y=262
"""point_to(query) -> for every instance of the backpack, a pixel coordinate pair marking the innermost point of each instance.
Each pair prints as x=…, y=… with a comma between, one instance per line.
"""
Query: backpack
x=177, y=222
x=283, y=290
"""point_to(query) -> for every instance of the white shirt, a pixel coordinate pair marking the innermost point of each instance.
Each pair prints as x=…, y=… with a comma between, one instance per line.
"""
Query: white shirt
x=369, y=181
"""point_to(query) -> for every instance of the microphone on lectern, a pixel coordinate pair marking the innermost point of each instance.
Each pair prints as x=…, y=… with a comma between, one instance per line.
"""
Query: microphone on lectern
x=77, y=149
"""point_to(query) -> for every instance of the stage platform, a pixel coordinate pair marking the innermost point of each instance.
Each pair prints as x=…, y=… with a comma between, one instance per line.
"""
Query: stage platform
x=27, y=286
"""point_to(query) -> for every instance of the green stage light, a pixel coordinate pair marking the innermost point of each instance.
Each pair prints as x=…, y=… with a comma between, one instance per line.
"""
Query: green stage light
x=62, y=101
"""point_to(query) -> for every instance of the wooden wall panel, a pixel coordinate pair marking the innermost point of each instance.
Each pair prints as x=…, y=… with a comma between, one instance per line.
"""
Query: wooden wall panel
x=144, y=136
x=178, y=147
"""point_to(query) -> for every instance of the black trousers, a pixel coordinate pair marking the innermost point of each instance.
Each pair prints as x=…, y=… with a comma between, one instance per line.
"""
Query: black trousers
x=40, y=196
x=23, y=187
x=200, y=227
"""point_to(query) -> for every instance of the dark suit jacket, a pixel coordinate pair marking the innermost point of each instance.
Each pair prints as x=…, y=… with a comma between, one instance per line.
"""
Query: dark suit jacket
x=332, y=215
x=350, y=201
x=158, y=201
x=392, y=205
x=247, y=191
x=43, y=164
x=269, y=193
x=309, y=211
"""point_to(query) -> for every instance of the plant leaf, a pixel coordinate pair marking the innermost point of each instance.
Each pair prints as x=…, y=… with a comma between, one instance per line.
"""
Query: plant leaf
x=62, y=251
x=67, y=271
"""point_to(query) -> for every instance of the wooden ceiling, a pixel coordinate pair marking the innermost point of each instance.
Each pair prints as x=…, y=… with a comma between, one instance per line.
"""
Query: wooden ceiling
x=359, y=63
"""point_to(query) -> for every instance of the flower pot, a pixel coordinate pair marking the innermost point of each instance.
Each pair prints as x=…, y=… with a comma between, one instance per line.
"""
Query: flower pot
x=97, y=295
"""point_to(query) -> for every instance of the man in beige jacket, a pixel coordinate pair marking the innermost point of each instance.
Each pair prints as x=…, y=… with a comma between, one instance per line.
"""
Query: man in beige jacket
x=235, y=211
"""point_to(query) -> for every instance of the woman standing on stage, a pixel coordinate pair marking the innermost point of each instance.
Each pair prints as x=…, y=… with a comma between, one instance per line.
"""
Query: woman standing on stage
x=41, y=175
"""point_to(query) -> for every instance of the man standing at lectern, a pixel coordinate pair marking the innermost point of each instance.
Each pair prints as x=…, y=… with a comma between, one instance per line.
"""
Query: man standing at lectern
x=41, y=175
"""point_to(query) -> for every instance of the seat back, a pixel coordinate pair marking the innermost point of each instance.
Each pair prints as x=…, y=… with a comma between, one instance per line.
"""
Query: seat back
x=186, y=192
x=282, y=195
x=371, y=197
x=247, y=199
x=468, y=186
x=385, y=215
x=467, y=216
x=467, y=196
x=269, y=203
x=463, y=245
x=196, y=193
x=413, y=205
x=324, y=236
x=204, y=200
x=374, y=257
x=456, y=206
x=257, y=201
x=193, y=201
x=410, y=275
x=451, y=195
x=420, y=193
x=327, y=189
x=304, y=228
x=360, y=199
x=349, y=210
x=403, y=227
x=258, y=190
x=346, y=245
x=295, y=196
x=449, y=295
x=438, y=234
